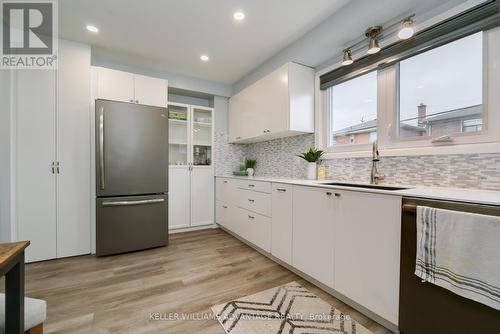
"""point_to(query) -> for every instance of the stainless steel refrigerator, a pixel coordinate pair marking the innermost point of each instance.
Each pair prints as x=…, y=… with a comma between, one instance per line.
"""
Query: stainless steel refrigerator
x=131, y=177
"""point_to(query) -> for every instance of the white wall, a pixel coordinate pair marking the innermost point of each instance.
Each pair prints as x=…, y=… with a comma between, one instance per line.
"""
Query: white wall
x=174, y=79
x=322, y=46
x=5, y=156
x=221, y=106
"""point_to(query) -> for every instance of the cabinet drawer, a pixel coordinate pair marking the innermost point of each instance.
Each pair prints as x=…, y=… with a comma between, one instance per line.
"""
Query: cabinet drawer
x=261, y=186
x=225, y=189
x=255, y=228
x=254, y=201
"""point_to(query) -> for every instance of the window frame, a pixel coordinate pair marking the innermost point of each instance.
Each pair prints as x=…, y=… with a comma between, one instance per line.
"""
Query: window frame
x=390, y=143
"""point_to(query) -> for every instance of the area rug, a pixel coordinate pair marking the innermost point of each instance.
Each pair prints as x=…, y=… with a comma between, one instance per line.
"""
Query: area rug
x=289, y=308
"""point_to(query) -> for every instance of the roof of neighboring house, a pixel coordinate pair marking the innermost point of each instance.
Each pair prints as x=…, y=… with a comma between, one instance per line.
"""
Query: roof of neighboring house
x=370, y=126
x=457, y=113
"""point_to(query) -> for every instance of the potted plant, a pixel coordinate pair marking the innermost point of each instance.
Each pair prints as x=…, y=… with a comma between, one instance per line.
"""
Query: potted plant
x=311, y=156
x=249, y=166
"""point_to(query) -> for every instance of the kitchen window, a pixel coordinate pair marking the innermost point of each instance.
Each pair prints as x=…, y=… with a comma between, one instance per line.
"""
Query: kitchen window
x=441, y=90
x=353, y=111
x=422, y=104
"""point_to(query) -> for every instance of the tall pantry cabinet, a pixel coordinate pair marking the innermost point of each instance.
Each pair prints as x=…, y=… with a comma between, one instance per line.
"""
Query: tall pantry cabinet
x=51, y=139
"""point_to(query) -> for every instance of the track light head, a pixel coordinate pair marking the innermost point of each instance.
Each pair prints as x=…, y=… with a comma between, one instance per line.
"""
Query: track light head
x=372, y=33
x=407, y=29
x=347, y=58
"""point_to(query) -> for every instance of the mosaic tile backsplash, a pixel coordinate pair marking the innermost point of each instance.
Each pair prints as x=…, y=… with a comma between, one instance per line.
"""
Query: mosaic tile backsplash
x=277, y=158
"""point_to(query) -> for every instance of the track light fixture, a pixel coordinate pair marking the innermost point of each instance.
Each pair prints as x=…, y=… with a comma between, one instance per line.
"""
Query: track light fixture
x=372, y=33
x=347, y=58
x=404, y=29
x=407, y=28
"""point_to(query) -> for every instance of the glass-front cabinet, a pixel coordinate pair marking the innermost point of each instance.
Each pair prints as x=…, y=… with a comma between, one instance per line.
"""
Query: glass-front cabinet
x=190, y=135
x=191, y=170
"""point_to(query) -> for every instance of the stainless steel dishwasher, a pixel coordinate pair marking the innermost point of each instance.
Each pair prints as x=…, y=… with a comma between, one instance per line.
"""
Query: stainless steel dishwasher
x=430, y=309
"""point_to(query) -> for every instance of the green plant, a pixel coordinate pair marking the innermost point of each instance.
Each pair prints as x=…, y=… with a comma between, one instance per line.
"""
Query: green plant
x=311, y=155
x=250, y=163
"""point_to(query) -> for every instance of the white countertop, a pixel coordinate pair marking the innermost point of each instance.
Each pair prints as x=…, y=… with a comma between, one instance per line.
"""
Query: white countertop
x=487, y=197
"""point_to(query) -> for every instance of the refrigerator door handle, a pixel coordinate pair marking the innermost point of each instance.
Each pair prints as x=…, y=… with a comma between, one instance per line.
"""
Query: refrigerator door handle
x=101, y=147
x=128, y=203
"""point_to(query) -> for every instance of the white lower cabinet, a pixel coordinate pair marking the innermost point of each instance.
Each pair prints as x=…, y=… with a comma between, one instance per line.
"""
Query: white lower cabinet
x=281, y=245
x=367, y=246
x=313, y=232
x=254, y=227
x=347, y=240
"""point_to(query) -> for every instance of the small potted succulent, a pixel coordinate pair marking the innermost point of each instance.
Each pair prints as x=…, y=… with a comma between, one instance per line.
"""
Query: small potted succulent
x=249, y=166
x=311, y=156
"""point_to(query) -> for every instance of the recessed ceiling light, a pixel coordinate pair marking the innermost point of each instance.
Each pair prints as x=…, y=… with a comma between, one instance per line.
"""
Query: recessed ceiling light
x=204, y=58
x=239, y=15
x=92, y=28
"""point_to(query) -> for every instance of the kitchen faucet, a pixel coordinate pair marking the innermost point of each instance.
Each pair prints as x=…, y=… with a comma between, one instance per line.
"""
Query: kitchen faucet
x=375, y=176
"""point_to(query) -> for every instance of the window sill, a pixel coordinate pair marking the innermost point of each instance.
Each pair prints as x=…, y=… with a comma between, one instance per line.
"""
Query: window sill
x=415, y=151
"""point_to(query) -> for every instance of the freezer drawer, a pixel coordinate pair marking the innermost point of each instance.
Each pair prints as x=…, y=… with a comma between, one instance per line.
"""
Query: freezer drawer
x=131, y=223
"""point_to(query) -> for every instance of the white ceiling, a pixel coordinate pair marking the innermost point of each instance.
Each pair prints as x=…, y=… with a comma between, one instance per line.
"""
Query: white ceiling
x=172, y=34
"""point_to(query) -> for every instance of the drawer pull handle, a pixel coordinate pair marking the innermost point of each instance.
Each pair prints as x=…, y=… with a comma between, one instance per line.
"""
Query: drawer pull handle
x=251, y=185
x=224, y=181
x=251, y=200
x=337, y=195
x=224, y=206
x=328, y=193
x=251, y=217
x=281, y=189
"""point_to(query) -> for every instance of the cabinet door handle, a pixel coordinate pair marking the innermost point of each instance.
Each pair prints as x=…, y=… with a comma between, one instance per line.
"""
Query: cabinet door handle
x=251, y=185
x=224, y=181
x=136, y=101
x=337, y=195
x=281, y=189
x=251, y=217
x=328, y=193
x=131, y=101
x=251, y=200
x=57, y=167
x=224, y=206
x=52, y=167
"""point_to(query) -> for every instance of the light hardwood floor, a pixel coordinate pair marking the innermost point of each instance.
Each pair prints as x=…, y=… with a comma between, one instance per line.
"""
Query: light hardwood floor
x=116, y=294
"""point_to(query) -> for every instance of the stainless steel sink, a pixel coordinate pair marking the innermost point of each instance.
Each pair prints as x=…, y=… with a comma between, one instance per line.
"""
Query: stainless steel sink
x=366, y=186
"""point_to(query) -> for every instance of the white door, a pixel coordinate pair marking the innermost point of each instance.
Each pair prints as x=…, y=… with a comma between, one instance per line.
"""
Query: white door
x=313, y=232
x=202, y=195
x=35, y=96
x=282, y=222
x=367, y=246
x=73, y=149
x=150, y=91
x=115, y=85
x=178, y=197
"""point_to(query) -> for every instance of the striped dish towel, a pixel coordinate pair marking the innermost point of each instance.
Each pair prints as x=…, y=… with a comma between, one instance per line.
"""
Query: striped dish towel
x=460, y=251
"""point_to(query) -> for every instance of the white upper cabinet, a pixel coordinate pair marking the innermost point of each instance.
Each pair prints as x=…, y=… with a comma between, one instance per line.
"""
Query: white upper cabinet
x=367, y=246
x=115, y=85
x=279, y=105
x=150, y=91
x=133, y=88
